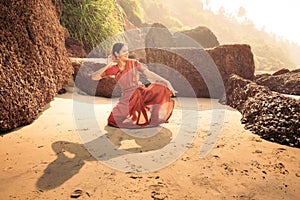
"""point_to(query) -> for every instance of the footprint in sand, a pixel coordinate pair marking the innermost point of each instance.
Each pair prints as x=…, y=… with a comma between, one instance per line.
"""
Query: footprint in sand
x=76, y=194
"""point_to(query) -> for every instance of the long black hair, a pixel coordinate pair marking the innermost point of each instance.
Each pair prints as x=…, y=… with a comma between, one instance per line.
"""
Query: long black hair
x=116, y=48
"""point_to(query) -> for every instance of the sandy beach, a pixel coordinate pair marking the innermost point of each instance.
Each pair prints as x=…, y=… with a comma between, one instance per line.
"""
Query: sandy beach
x=202, y=153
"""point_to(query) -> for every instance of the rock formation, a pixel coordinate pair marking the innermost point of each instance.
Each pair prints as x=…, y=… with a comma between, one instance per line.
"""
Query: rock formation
x=201, y=35
x=281, y=71
x=33, y=64
x=192, y=70
x=58, y=7
x=269, y=114
x=159, y=37
x=234, y=59
x=199, y=72
x=283, y=81
x=75, y=48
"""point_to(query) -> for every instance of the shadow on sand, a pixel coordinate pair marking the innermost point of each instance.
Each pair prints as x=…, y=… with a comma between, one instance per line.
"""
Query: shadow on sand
x=72, y=156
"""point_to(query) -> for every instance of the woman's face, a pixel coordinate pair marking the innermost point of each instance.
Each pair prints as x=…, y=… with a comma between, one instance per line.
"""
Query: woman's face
x=123, y=54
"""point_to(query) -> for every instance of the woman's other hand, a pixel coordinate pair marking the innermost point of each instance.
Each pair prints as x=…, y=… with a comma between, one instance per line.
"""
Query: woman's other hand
x=169, y=85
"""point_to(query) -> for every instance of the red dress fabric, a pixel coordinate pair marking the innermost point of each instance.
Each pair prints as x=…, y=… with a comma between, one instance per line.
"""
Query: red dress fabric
x=139, y=106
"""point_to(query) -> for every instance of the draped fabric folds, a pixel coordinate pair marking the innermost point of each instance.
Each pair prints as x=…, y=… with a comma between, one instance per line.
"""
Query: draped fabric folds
x=139, y=106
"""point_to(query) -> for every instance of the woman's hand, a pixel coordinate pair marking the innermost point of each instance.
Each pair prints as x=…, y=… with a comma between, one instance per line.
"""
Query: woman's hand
x=112, y=59
x=98, y=74
x=172, y=89
x=151, y=75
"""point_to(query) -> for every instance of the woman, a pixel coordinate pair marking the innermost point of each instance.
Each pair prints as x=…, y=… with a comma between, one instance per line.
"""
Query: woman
x=139, y=106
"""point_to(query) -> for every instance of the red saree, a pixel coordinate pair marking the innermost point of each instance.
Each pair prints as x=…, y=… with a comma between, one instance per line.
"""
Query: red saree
x=139, y=106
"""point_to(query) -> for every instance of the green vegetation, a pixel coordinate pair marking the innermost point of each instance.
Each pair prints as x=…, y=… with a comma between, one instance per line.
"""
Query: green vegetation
x=91, y=21
x=133, y=11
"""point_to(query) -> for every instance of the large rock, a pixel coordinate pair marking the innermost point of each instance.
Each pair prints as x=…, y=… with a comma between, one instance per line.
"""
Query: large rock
x=201, y=73
x=75, y=48
x=33, y=64
x=269, y=114
x=283, y=81
x=106, y=87
x=234, y=59
x=198, y=36
x=159, y=37
x=281, y=71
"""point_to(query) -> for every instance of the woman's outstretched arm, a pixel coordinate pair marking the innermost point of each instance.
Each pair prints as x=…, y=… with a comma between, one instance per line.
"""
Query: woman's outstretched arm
x=97, y=75
x=151, y=75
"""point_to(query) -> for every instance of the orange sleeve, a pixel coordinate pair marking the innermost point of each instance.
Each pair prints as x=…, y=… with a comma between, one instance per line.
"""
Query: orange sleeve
x=111, y=71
